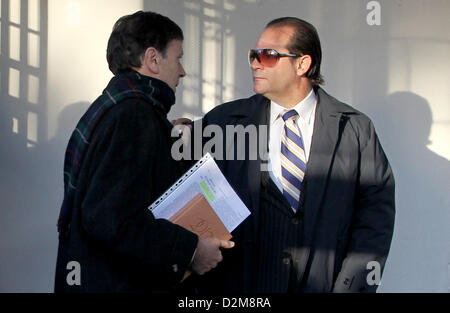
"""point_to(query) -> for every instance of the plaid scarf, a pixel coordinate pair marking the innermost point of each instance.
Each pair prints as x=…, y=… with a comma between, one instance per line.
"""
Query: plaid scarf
x=123, y=86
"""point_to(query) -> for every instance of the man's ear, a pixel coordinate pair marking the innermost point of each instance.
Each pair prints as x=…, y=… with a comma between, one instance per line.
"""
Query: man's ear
x=150, y=60
x=304, y=64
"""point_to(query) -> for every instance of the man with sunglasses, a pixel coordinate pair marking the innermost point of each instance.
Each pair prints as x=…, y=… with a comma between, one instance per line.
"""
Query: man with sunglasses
x=323, y=211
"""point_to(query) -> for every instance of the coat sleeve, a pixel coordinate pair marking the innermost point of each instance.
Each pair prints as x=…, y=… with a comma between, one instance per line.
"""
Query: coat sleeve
x=114, y=212
x=373, y=220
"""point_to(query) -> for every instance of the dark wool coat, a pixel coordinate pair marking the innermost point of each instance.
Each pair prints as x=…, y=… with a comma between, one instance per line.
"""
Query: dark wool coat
x=115, y=239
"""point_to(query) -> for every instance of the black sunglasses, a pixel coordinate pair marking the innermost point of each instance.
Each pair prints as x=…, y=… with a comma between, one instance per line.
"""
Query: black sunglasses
x=268, y=57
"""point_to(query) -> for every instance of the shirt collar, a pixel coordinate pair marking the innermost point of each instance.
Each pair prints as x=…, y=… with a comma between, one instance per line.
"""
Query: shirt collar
x=304, y=108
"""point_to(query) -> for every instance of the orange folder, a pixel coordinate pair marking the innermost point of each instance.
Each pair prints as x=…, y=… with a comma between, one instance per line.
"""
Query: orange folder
x=200, y=218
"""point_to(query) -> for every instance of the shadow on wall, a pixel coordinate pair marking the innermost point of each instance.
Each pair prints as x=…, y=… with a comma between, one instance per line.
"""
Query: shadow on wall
x=24, y=71
x=31, y=181
x=26, y=247
x=31, y=197
x=215, y=51
x=420, y=251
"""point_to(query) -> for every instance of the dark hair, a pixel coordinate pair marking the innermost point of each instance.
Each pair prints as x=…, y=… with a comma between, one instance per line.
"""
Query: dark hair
x=133, y=34
x=305, y=41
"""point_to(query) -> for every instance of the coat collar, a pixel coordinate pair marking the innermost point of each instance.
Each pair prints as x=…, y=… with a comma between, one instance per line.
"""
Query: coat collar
x=252, y=108
x=329, y=105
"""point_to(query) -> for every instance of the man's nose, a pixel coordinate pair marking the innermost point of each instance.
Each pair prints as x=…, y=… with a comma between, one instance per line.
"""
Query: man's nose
x=183, y=73
x=254, y=65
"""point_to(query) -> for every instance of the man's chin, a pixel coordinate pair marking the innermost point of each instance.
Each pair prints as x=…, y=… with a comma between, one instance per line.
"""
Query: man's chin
x=260, y=86
x=258, y=90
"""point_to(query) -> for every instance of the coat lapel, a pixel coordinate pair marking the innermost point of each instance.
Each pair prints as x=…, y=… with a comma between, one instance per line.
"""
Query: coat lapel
x=323, y=147
x=256, y=113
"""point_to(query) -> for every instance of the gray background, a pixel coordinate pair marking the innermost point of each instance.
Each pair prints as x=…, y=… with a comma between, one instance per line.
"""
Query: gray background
x=53, y=65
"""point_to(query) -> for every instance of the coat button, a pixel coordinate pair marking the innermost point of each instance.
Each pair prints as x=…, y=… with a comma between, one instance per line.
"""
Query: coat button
x=287, y=261
x=295, y=221
x=348, y=282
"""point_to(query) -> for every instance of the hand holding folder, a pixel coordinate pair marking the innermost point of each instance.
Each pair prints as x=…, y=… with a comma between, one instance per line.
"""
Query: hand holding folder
x=199, y=217
x=212, y=209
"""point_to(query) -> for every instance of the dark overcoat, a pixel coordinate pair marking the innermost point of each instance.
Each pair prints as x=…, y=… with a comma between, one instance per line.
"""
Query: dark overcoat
x=347, y=206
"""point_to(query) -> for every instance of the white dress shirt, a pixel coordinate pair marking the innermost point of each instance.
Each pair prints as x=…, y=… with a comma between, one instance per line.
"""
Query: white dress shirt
x=306, y=110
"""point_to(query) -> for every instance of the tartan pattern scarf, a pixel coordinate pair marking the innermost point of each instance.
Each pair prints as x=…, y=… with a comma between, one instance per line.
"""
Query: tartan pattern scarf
x=123, y=86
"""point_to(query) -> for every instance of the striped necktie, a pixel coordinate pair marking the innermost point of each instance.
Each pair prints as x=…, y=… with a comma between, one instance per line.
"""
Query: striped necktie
x=293, y=160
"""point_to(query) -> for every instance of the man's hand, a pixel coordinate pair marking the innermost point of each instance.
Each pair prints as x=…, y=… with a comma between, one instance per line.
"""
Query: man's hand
x=184, y=128
x=208, y=254
x=181, y=121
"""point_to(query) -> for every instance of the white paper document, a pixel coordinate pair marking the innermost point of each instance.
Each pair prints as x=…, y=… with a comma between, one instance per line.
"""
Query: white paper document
x=205, y=177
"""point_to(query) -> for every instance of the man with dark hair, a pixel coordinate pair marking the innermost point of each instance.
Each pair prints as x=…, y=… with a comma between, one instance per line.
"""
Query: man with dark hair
x=322, y=201
x=117, y=163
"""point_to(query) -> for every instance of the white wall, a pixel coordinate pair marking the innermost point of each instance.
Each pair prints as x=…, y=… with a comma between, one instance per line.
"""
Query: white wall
x=397, y=73
x=72, y=71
